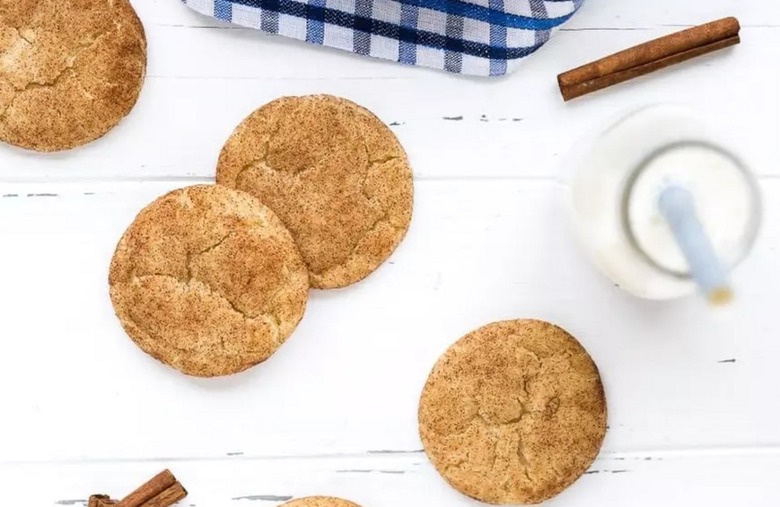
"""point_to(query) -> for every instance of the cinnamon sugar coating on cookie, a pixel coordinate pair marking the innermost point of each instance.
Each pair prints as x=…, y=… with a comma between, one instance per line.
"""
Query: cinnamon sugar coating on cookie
x=208, y=280
x=336, y=176
x=70, y=70
x=513, y=413
x=320, y=501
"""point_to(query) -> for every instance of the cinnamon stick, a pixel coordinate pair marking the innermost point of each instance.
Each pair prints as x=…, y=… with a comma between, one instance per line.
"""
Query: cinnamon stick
x=100, y=501
x=162, y=488
x=167, y=497
x=648, y=57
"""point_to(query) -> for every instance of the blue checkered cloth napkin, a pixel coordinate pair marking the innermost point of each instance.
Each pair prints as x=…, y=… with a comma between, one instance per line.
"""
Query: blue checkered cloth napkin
x=479, y=37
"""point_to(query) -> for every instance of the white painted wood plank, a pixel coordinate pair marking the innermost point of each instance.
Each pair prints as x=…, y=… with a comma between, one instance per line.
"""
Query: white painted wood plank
x=349, y=378
x=635, y=13
x=479, y=250
x=237, y=52
x=642, y=480
x=517, y=127
x=639, y=14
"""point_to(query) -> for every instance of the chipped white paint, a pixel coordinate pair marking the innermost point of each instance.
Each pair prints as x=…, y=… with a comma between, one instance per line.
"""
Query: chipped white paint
x=740, y=478
x=693, y=416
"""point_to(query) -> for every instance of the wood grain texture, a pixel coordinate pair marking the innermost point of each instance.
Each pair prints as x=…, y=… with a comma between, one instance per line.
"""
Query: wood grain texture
x=477, y=252
x=722, y=480
x=512, y=127
x=693, y=417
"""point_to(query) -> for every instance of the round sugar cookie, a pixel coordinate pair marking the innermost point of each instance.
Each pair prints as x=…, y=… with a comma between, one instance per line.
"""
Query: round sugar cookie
x=336, y=176
x=208, y=280
x=70, y=70
x=513, y=413
x=320, y=501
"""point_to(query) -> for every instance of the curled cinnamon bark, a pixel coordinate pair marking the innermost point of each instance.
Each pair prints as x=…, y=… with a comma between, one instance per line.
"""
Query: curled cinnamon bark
x=648, y=57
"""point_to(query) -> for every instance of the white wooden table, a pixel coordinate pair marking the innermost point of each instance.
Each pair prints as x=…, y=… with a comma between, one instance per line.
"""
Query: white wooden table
x=694, y=395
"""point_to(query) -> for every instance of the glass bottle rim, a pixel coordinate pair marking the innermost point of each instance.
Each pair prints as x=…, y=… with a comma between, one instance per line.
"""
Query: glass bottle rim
x=751, y=233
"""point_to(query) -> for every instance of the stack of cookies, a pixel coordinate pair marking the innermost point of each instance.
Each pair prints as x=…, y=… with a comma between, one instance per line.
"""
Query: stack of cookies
x=311, y=192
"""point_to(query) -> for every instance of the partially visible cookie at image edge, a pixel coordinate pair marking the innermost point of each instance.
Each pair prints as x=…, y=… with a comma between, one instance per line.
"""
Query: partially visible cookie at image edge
x=320, y=501
x=70, y=70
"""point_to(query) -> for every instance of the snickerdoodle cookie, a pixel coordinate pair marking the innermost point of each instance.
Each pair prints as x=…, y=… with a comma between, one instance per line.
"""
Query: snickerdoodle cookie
x=319, y=501
x=208, y=280
x=336, y=176
x=513, y=413
x=69, y=70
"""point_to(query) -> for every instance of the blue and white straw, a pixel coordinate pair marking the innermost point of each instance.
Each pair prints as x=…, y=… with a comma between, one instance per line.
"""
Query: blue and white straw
x=677, y=206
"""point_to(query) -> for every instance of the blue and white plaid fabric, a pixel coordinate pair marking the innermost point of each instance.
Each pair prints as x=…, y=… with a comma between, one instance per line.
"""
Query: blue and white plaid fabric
x=480, y=37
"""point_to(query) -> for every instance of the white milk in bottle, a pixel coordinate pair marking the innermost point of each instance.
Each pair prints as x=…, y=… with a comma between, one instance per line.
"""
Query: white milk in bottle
x=617, y=188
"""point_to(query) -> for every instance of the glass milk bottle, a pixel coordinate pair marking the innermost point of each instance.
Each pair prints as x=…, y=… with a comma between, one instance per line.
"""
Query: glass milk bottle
x=662, y=207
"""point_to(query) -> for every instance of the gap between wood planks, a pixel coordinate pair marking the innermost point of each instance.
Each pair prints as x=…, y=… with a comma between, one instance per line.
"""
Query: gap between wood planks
x=415, y=457
x=194, y=180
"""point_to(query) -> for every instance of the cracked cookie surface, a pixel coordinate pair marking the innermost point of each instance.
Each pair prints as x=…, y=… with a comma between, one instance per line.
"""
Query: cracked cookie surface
x=513, y=413
x=319, y=501
x=208, y=280
x=70, y=70
x=336, y=176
